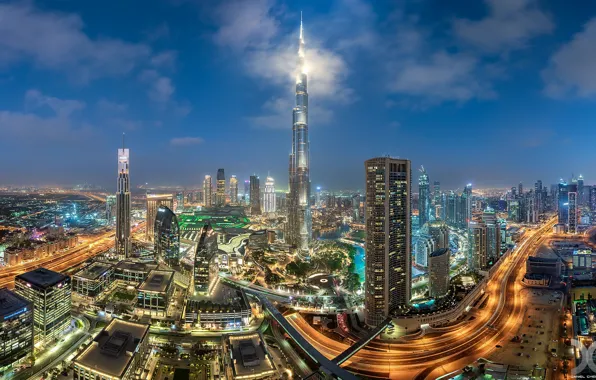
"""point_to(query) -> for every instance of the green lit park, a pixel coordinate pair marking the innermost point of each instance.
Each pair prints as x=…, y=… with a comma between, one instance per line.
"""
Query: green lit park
x=216, y=218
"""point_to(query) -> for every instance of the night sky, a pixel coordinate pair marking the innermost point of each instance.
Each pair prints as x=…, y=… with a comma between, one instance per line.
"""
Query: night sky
x=490, y=92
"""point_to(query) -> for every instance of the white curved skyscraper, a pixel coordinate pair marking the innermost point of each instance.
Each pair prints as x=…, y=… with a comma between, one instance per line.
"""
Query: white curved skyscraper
x=299, y=217
x=269, y=197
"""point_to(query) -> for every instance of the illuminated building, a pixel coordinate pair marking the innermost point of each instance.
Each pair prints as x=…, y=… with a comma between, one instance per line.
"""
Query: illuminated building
x=451, y=209
x=92, y=280
x=220, y=193
x=465, y=214
x=580, y=190
x=269, y=202
x=572, y=209
x=123, y=243
x=424, y=213
x=493, y=234
x=205, y=267
x=318, y=197
x=234, y=190
x=299, y=230
x=246, y=192
x=513, y=192
x=251, y=360
x=118, y=352
x=179, y=206
x=520, y=190
x=234, y=314
x=16, y=328
x=424, y=247
x=207, y=191
x=539, y=199
x=154, y=201
x=593, y=200
x=153, y=295
x=439, y=232
x=167, y=236
x=50, y=293
x=110, y=208
x=388, y=240
x=255, y=195
x=477, y=246
x=438, y=272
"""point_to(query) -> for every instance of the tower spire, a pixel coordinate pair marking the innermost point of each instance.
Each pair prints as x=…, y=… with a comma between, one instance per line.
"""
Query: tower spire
x=123, y=140
x=300, y=25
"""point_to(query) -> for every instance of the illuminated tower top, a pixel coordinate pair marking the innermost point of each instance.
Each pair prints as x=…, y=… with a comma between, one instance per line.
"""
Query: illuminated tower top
x=123, y=158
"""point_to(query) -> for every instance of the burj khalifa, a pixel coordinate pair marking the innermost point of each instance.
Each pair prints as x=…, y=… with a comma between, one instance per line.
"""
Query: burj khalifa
x=299, y=217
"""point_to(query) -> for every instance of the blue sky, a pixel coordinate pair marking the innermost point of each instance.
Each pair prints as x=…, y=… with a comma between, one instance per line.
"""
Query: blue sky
x=491, y=92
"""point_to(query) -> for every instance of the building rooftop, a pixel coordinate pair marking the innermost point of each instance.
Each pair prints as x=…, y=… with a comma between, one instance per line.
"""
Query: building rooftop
x=42, y=277
x=11, y=303
x=135, y=266
x=249, y=356
x=112, y=350
x=157, y=281
x=94, y=270
x=439, y=252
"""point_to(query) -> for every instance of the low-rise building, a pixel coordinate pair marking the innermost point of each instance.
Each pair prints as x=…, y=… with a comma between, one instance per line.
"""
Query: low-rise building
x=93, y=279
x=117, y=353
x=153, y=296
x=16, y=328
x=219, y=316
x=132, y=272
x=247, y=357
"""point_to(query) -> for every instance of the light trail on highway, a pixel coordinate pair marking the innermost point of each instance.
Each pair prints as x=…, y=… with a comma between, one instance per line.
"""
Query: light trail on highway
x=431, y=357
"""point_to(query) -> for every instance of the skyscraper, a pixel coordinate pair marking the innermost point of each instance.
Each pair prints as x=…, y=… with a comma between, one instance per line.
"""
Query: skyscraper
x=269, y=204
x=16, y=327
x=477, y=246
x=538, y=195
x=572, y=209
x=167, y=235
x=388, y=239
x=299, y=216
x=318, y=197
x=424, y=214
x=123, y=244
x=179, y=202
x=563, y=203
x=255, y=195
x=593, y=199
x=246, y=192
x=154, y=201
x=520, y=189
x=234, y=190
x=493, y=234
x=438, y=272
x=466, y=203
x=110, y=208
x=207, y=191
x=220, y=194
x=439, y=232
x=580, y=190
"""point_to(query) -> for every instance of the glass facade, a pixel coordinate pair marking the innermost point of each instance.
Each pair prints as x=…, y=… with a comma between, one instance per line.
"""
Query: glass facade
x=16, y=328
x=167, y=235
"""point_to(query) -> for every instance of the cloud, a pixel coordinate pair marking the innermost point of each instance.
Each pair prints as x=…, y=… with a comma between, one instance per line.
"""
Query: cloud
x=34, y=128
x=186, y=141
x=61, y=107
x=125, y=124
x=56, y=41
x=165, y=59
x=572, y=68
x=161, y=88
x=510, y=25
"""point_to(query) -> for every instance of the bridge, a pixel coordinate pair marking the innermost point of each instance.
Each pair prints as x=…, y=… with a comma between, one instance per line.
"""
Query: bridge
x=350, y=351
x=326, y=364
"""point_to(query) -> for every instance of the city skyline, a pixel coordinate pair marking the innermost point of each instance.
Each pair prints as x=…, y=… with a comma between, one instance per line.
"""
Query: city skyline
x=461, y=92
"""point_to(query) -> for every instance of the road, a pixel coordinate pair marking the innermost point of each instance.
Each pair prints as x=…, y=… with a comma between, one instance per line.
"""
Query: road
x=429, y=357
x=64, y=260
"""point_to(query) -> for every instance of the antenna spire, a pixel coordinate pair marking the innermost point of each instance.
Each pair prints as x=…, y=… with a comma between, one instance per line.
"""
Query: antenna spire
x=123, y=140
x=300, y=24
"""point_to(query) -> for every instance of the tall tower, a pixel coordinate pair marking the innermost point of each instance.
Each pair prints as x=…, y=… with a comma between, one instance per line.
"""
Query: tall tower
x=123, y=243
x=207, y=191
x=220, y=195
x=234, y=190
x=255, y=195
x=388, y=239
x=154, y=201
x=423, y=198
x=299, y=216
x=269, y=197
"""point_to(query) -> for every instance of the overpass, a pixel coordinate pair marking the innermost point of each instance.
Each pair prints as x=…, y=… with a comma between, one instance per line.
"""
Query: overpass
x=326, y=364
x=350, y=351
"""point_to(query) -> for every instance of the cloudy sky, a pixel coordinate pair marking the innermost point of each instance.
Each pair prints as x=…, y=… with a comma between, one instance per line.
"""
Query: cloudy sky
x=491, y=92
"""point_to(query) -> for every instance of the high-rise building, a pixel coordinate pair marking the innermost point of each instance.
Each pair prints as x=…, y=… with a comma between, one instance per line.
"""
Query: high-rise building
x=572, y=208
x=179, y=202
x=425, y=245
x=563, y=203
x=424, y=214
x=439, y=232
x=110, y=208
x=220, y=194
x=299, y=216
x=438, y=272
x=154, y=201
x=580, y=190
x=207, y=191
x=255, y=195
x=318, y=197
x=593, y=199
x=246, y=196
x=437, y=193
x=123, y=243
x=520, y=189
x=477, y=246
x=388, y=239
x=234, y=190
x=205, y=267
x=16, y=328
x=167, y=235
x=493, y=234
x=269, y=202
x=466, y=204
x=513, y=192
x=538, y=196
x=50, y=293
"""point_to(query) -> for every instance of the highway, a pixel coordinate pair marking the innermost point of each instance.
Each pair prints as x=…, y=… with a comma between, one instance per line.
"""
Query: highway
x=429, y=357
x=64, y=260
